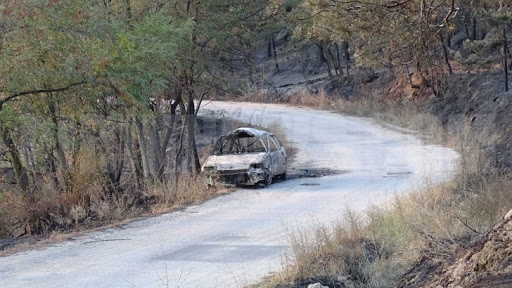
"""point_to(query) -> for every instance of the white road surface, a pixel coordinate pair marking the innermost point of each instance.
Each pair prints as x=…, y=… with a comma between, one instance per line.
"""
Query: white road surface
x=237, y=239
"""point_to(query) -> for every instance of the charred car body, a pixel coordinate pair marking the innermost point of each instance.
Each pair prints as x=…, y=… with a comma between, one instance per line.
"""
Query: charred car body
x=246, y=156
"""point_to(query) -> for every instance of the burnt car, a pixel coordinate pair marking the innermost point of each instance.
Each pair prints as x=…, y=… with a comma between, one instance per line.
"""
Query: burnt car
x=246, y=156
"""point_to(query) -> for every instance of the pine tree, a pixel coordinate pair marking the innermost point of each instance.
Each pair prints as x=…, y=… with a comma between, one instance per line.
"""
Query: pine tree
x=494, y=48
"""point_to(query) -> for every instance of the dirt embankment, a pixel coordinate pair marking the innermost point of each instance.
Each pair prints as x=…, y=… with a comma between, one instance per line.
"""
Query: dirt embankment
x=485, y=261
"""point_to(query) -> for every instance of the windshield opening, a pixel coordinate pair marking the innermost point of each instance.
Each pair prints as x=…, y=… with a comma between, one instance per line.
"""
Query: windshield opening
x=238, y=144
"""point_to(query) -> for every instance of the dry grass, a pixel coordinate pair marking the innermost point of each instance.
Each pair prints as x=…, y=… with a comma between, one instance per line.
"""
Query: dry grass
x=183, y=190
x=377, y=248
x=87, y=201
x=49, y=207
x=342, y=251
x=277, y=128
x=257, y=96
x=319, y=100
x=406, y=115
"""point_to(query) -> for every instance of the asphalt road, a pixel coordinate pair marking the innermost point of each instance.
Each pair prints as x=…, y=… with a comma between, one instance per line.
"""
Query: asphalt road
x=237, y=239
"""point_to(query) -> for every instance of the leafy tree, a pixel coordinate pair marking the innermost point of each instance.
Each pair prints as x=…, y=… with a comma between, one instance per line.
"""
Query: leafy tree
x=35, y=62
x=383, y=33
x=109, y=80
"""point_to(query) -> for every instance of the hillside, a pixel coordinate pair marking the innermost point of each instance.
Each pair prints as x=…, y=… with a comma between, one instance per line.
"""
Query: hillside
x=475, y=118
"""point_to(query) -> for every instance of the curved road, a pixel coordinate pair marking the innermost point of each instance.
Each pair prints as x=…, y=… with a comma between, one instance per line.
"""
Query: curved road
x=239, y=238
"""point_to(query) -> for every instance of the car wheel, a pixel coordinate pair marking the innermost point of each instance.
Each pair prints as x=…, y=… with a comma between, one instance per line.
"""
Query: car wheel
x=266, y=182
x=281, y=176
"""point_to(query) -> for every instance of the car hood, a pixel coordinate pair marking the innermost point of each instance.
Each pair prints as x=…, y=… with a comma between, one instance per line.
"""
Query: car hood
x=234, y=162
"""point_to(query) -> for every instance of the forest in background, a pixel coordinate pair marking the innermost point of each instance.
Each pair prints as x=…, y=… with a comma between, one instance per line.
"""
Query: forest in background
x=99, y=98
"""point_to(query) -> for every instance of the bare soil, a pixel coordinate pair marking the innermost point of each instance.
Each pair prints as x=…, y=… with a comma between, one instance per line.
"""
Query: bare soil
x=484, y=261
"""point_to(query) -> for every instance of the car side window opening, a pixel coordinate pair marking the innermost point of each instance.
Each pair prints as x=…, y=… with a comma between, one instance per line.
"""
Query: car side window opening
x=273, y=145
x=278, y=142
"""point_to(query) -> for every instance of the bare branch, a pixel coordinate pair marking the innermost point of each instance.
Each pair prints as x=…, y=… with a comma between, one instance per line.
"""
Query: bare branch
x=396, y=4
x=39, y=91
x=451, y=14
x=465, y=223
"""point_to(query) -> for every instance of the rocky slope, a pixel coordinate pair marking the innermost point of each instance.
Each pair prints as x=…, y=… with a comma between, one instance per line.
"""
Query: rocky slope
x=486, y=261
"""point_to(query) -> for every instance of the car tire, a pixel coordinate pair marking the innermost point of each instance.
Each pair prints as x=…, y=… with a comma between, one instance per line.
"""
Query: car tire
x=266, y=182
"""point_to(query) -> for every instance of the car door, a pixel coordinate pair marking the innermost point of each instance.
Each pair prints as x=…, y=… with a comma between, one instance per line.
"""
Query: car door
x=278, y=155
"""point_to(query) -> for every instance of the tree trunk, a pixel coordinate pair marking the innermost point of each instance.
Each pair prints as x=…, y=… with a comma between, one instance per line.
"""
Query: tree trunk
x=180, y=149
x=329, y=64
x=59, y=150
x=197, y=164
x=505, y=57
x=445, y=53
x=192, y=149
x=274, y=53
x=338, y=58
x=321, y=54
x=346, y=53
x=136, y=171
x=335, y=60
x=19, y=170
x=468, y=36
x=143, y=149
x=269, y=46
x=115, y=166
x=156, y=149
x=167, y=136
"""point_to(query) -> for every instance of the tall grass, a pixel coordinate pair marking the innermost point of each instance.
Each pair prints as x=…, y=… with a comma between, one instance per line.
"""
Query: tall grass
x=184, y=189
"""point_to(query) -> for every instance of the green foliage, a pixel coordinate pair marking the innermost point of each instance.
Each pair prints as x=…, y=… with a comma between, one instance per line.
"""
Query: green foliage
x=143, y=57
x=76, y=74
x=381, y=33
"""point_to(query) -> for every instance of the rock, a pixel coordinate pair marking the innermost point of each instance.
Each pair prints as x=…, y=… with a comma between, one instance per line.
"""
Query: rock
x=508, y=215
x=5, y=243
x=317, y=285
x=484, y=262
x=346, y=282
